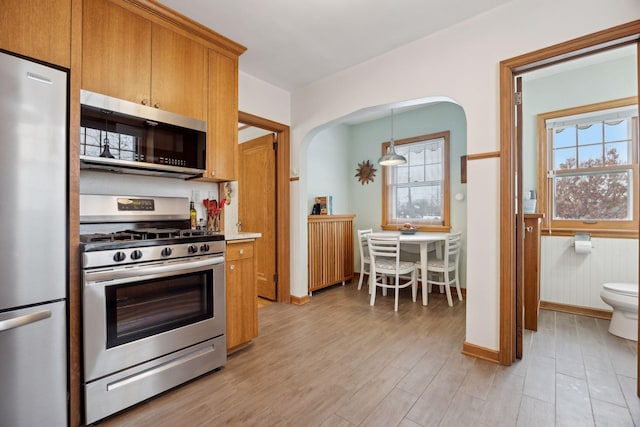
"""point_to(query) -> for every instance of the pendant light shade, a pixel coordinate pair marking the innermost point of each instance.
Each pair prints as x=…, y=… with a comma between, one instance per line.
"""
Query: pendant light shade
x=392, y=158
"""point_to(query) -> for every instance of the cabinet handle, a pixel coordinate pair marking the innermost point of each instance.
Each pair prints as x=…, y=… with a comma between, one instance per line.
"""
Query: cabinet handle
x=241, y=251
x=145, y=101
x=529, y=228
x=232, y=267
x=157, y=105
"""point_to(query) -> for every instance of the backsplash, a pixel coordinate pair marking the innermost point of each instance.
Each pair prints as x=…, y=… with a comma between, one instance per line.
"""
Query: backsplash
x=92, y=182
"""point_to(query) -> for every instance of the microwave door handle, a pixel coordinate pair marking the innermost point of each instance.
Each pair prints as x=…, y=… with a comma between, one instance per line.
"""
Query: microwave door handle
x=16, y=322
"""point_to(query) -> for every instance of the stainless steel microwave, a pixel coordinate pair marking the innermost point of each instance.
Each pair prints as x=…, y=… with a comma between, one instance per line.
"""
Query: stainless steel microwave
x=122, y=136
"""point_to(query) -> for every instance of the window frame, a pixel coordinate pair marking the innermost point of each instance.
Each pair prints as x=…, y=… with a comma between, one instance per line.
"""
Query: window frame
x=600, y=228
x=388, y=223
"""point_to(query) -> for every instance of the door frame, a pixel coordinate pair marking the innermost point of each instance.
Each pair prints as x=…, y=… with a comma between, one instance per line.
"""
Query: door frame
x=615, y=36
x=283, y=207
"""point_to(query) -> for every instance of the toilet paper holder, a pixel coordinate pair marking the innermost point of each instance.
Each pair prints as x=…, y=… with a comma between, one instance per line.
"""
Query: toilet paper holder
x=582, y=237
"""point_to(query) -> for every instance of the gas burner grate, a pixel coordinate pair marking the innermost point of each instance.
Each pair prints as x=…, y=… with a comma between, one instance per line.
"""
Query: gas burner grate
x=155, y=233
x=109, y=237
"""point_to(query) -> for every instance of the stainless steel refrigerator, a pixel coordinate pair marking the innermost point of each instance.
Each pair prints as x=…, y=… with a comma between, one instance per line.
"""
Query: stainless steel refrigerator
x=33, y=244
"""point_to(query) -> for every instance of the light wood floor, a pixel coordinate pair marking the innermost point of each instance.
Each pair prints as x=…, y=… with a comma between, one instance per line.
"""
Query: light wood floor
x=339, y=362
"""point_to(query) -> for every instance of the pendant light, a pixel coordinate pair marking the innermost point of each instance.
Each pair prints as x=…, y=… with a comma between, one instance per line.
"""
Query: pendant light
x=106, y=152
x=392, y=158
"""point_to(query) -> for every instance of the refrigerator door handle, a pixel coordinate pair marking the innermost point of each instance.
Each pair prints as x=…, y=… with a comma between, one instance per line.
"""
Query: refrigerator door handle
x=19, y=321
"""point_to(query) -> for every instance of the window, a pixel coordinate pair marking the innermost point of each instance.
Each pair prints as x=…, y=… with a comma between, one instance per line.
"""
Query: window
x=589, y=167
x=418, y=191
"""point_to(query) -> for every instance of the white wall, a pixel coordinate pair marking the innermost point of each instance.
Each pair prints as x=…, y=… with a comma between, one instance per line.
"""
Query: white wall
x=329, y=169
x=263, y=99
x=460, y=62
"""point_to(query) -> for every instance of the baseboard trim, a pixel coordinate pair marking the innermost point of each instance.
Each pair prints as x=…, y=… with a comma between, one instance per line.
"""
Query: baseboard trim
x=300, y=300
x=576, y=309
x=479, y=352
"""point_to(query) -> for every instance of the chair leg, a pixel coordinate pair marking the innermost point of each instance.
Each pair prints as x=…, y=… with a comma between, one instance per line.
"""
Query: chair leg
x=447, y=288
x=458, y=287
x=372, y=289
x=361, y=275
x=384, y=288
x=397, y=293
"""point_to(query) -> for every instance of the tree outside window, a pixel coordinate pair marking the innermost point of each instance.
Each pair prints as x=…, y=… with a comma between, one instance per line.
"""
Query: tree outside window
x=590, y=168
x=418, y=191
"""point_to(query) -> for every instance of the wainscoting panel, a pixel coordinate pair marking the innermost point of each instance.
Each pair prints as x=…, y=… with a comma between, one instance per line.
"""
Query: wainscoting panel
x=576, y=279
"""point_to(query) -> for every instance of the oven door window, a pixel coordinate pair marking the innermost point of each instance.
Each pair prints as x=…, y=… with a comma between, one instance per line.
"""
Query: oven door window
x=142, y=309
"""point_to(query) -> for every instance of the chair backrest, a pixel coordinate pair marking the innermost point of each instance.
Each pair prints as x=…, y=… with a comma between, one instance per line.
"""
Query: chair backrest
x=362, y=241
x=452, y=246
x=384, y=247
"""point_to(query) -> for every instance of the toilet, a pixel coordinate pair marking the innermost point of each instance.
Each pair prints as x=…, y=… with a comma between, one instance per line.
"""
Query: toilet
x=623, y=298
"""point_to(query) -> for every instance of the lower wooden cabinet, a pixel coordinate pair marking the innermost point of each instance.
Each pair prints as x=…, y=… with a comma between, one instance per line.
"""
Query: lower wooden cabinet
x=242, y=295
x=330, y=239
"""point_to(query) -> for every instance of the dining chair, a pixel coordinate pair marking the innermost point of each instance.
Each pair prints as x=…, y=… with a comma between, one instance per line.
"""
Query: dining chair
x=446, y=267
x=365, y=260
x=384, y=252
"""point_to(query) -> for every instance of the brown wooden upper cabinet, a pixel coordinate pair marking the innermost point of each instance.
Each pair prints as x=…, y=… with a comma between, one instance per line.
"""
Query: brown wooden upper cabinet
x=127, y=56
x=222, y=132
x=39, y=29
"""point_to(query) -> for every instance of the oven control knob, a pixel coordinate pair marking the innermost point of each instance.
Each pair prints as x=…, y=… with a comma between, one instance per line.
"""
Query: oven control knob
x=204, y=248
x=137, y=254
x=119, y=256
x=192, y=249
x=166, y=252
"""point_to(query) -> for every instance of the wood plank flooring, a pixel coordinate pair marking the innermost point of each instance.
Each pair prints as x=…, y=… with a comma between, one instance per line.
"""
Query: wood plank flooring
x=339, y=362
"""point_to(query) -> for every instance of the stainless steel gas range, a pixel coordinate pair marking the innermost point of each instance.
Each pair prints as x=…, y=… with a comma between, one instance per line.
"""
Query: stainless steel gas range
x=153, y=299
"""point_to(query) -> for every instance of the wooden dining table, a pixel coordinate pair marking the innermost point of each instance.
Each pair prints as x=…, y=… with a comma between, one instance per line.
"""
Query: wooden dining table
x=423, y=239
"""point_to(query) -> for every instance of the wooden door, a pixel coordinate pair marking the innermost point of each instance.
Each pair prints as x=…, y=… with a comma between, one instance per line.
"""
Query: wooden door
x=257, y=207
x=178, y=73
x=519, y=302
x=39, y=29
x=116, y=52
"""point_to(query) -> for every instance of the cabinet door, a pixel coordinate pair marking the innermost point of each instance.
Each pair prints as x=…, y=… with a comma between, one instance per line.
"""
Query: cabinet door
x=242, y=303
x=39, y=29
x=178, y=73
x=116, y=52
x=222, y=144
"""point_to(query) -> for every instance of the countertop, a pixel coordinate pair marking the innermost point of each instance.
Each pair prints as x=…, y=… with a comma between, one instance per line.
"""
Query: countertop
x=241, y=235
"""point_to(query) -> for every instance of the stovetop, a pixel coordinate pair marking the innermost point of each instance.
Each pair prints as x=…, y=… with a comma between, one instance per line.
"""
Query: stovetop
x=144, y=237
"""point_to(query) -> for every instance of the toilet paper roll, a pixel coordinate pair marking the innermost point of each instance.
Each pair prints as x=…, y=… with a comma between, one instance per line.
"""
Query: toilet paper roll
x=583, y=246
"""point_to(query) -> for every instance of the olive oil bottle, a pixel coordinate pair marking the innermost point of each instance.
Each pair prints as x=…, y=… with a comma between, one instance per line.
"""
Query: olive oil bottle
x=194, y=216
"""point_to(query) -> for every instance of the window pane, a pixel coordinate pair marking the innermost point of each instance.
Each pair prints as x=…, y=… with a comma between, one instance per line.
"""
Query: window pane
x=416, y=156
x=564, y=137
x=402, y=174
x=416, y=173
x=564, y=158
x=598, y=196
x=616, y=130
x=590, y=156
x=434, y=173
x=590, y=133
x=419, y=203
x=618, y=153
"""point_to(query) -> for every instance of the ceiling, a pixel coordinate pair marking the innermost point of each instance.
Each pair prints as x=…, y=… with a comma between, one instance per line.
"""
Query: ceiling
x=291, y=43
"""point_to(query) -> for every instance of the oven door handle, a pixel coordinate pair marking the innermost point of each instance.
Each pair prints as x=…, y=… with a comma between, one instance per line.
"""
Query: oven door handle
x=151, y=271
